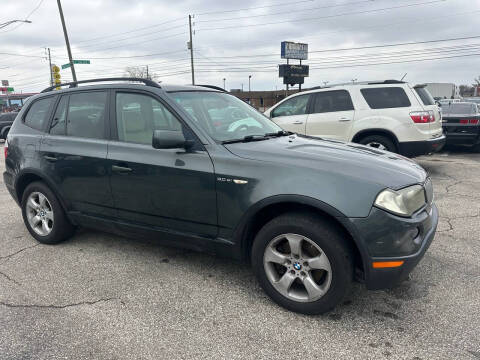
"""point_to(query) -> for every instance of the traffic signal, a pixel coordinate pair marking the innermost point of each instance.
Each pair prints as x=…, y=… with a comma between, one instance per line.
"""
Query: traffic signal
x=56, y=76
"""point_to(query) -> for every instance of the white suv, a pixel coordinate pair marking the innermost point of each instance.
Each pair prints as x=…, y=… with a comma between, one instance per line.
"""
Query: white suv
x=390, y=115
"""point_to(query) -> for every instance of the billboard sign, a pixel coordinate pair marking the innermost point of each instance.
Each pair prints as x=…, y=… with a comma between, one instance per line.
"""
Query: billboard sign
x=293, y=50
x=293, y=70
x=5, y=83
x=293, y=80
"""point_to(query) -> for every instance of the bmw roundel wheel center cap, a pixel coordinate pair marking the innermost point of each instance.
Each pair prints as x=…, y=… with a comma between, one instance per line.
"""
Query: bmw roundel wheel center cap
x=297, y=266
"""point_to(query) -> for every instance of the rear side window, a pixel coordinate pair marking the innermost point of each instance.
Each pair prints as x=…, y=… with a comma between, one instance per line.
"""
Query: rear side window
x=36, y=117
x=58, y=126
x=294, y=106
x=385, y=98
x=425, y=96
x=329, y=101
x=86, y=114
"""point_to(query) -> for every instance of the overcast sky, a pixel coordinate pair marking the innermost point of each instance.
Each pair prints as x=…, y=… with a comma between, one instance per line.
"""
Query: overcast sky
x=235, y=39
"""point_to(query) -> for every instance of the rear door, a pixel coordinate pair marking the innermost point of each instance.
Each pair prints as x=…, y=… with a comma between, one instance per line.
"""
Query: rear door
x=292, y=114
x=74, y=152
x=332, y=115
x=164, y=188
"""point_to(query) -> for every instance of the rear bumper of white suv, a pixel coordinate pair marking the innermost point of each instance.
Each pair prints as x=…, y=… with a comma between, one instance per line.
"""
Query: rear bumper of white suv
x=417, y=148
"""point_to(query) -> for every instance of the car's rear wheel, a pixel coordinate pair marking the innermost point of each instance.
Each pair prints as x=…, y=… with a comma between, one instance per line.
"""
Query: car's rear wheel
x=379, y=142
x=303, y=263
x=43, y=215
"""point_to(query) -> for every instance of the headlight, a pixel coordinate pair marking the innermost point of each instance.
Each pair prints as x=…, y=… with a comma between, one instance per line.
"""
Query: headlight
x=402, y=202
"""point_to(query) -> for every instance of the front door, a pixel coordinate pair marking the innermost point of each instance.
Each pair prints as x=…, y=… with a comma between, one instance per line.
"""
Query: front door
x=74, y=152
x=165, y=188
x=331, y=115
x=291, y=115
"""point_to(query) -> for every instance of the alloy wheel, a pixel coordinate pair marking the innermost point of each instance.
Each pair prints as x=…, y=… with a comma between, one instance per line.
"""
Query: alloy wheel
x=297, y=267
x=376, y=145
x=39, y=213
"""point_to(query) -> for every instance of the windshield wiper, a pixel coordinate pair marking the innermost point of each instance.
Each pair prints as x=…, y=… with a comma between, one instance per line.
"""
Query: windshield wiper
x=278, y=133
x=247, y=138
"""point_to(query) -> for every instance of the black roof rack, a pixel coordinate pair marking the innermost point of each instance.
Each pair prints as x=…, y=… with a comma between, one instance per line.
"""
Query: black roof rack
x=213, y=87
x=75, y=83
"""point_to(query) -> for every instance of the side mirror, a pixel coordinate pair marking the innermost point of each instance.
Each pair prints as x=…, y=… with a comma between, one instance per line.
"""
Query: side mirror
x=166, y=139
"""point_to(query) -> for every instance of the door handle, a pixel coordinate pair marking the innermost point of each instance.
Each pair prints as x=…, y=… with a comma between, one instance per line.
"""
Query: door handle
x=121, y=169
x=344, y=119
x=50, y=158
x=298, y=122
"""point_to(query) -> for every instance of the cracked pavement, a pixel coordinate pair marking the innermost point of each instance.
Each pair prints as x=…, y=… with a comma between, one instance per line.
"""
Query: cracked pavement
x=106, y=297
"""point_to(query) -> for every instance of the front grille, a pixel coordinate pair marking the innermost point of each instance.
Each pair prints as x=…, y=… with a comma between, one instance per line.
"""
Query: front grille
x=428, y=191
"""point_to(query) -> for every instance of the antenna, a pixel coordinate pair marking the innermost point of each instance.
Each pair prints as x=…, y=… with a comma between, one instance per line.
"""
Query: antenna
x=403, y=77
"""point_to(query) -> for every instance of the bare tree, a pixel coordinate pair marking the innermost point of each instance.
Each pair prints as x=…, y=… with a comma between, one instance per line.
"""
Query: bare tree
x=140, y=72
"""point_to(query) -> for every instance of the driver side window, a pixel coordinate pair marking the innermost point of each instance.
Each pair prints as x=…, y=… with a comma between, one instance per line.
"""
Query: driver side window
x=294, y=106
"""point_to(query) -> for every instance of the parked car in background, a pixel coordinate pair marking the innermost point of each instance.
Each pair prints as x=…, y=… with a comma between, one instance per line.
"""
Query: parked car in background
x=311, y=215
x=388, y=115
x=461, y=123
x=475, y=100
x=6, y=121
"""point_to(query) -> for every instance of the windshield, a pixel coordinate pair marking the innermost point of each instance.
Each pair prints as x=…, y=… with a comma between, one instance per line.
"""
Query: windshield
x=224, y=116
x=460, y=109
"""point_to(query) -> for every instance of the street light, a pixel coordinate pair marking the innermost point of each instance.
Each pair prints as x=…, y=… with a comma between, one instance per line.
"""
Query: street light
x=14, y=21
x=224, y=84
x=249, y=77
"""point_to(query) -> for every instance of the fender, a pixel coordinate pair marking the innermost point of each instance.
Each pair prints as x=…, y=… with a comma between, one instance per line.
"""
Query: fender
x=360, y=134
x=241, y=241
x=31, y=171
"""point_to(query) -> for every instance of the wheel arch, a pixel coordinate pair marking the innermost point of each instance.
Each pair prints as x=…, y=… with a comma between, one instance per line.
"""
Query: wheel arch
x=5, y=130
x=267, y=209
x=27, y=176
x=376, y=131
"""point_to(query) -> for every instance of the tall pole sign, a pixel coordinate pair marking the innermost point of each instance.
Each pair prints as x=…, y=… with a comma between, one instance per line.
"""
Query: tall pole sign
x=293, y=74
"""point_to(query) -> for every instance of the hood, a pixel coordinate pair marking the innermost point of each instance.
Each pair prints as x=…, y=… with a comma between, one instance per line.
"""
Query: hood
x=348, y=159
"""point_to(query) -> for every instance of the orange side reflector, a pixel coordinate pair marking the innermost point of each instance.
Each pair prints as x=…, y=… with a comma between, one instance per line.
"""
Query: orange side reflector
x=387, y=264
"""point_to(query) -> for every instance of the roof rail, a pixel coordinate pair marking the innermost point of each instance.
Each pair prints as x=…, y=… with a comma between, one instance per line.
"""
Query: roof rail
x=375, y=82
x=213, y=87
x=75, y=83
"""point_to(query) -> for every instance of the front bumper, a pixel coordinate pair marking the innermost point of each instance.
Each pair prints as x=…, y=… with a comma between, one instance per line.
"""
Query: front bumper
x=385, y=238
x=417, y=148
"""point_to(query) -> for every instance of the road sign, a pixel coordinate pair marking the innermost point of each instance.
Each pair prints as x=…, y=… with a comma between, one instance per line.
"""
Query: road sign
x=6, y=89
x=292, y=50
x=5, y=83
x=65, y=66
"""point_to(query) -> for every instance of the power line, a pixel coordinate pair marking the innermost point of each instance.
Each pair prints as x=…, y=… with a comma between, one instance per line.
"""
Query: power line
x=286, y=12
x=255, y=8
x=321, y=17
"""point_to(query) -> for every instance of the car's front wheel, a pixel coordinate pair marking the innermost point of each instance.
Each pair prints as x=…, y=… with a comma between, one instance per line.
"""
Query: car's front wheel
x=43, y=215
x=303, y=263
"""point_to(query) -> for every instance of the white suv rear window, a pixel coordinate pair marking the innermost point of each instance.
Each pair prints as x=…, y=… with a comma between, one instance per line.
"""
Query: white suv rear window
x=385, y=97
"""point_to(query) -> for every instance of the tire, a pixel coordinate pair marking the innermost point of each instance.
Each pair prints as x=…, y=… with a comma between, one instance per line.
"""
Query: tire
x=49, y=212
x=379, y=142
x=313, y=232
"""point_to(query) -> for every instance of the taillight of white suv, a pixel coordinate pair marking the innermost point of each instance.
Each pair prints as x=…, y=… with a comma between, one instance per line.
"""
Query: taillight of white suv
x=5, y=149
x=422, y=117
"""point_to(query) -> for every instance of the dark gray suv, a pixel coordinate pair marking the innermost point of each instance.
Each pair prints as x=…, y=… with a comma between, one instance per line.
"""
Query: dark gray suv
x=193, y=166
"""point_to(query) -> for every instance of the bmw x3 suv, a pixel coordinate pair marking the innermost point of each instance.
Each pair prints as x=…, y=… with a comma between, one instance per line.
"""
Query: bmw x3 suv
x=195, y=167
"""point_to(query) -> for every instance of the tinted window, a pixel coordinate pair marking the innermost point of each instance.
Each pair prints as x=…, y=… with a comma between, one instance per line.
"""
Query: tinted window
x=424, y=94
x=138, y=115
x=328, y=101
x=58, y=126
x=385, y=98
x=294, y=106
x=86, y=115
x=38, y=112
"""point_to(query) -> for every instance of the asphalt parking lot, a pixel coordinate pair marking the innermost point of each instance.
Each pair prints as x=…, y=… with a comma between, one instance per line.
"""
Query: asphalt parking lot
x=106, y=297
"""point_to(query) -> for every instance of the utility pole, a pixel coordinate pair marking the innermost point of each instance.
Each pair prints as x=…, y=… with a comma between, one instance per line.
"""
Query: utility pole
x=74, y=76
x=190, y=46
x=50, y=66
x=147, y=73
x=249, y=77
x=224, y=83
